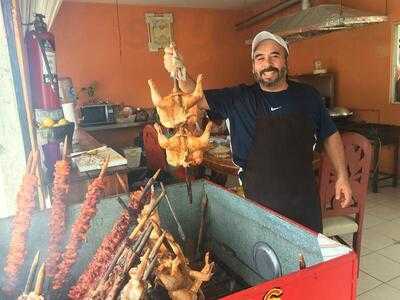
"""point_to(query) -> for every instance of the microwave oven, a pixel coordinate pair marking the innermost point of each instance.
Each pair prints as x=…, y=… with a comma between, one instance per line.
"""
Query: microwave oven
x=98, y=114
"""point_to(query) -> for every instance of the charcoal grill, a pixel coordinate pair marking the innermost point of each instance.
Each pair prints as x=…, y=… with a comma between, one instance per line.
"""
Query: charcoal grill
x=236, y=227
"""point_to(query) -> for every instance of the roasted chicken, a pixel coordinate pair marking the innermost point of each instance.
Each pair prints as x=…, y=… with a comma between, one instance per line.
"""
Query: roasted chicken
x=184, y=148
x=178, y=107
x=197, y=145
x=135, y=289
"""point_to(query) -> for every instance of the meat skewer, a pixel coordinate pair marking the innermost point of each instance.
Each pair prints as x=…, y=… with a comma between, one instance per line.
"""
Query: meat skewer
x=101, y=283
x=124, y=259
x=21, y=223
x=144, y=273
x=80, y=227
x=127, y=258
x=58, y=211
x=104, y=281
x=104, y=254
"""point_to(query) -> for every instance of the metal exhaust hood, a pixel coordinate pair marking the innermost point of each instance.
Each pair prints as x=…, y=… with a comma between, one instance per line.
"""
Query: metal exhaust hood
x=321, y=19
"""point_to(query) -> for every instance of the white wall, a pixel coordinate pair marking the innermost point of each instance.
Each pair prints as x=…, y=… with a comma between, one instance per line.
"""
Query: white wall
x=12, y=156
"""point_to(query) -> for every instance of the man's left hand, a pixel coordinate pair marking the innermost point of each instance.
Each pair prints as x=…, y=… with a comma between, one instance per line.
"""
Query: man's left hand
x=343, y=192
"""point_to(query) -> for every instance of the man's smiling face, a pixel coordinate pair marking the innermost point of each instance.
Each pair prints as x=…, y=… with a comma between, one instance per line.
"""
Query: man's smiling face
x=270, y=64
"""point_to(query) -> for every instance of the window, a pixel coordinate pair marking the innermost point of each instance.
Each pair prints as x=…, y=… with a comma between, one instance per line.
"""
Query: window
x=12, y=153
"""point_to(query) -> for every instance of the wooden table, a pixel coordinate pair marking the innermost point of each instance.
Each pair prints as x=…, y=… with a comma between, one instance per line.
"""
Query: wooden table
x=79, y=181
x=227, y=167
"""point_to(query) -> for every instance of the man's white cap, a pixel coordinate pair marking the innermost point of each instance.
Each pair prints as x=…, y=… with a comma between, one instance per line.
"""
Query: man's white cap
x=266, y=35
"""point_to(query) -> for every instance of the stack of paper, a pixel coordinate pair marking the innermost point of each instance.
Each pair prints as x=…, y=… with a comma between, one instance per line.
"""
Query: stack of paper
x=89, y=162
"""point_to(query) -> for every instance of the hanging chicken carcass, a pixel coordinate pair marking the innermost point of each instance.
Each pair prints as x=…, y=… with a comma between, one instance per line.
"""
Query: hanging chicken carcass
x=178, y=107
x=184, y=148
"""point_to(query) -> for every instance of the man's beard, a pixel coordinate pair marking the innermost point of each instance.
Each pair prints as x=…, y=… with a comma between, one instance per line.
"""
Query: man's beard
x=281, y=74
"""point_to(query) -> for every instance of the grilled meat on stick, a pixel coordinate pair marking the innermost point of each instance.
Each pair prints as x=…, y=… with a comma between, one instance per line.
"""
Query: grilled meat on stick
x=197, y=145
x=177, y=108
x=80, y=227
x=184, y=149
x=21, y=223
x=103, y=255
x=57, y=217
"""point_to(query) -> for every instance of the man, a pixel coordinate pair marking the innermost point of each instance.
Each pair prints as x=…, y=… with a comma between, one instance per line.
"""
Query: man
x=273, y=126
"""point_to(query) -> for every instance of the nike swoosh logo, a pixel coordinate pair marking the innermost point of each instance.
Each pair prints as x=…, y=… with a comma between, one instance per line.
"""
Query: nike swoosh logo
x=275, y=108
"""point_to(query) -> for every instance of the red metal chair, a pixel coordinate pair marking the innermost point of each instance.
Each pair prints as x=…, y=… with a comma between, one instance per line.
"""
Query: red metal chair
x=155, y=155
x=337, y=220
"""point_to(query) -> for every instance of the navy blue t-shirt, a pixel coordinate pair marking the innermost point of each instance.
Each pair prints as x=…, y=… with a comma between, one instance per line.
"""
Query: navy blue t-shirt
x=243, y=104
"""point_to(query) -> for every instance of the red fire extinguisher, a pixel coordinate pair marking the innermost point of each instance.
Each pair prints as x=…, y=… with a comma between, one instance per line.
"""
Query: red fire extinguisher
x=40, y=46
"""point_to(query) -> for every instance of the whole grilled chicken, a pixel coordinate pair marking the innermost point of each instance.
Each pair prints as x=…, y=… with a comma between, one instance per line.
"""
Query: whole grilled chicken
x=197, y=145
x=175, y=147
x=192, y=292
x=135, y=288
x=184, y=148
x=178, y=107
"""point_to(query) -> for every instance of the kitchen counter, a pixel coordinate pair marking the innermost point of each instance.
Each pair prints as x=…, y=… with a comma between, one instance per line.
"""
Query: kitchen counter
x=117, y=125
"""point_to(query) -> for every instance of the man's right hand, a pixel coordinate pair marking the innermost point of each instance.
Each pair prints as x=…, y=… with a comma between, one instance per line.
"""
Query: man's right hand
x=172, y=60
x=168, y=64
x=173, y=63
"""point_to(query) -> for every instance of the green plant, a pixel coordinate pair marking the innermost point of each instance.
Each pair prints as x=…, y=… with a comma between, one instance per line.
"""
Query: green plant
x=90, y=90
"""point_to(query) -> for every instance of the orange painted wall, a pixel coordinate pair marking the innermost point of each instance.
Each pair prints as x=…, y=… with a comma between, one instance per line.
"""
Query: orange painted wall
x=88, y=49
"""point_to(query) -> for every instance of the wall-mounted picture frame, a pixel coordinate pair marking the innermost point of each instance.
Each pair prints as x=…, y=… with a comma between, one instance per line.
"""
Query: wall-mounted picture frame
x=159, y=28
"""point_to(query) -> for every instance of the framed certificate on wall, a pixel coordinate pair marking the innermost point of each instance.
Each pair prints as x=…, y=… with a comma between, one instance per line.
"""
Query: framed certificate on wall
x=159, y=30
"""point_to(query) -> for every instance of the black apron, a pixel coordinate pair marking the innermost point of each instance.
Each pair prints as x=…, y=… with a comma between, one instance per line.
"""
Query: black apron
x=279, y=172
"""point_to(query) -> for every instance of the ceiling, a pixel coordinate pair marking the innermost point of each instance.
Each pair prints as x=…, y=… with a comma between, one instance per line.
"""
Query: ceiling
x=216, y=4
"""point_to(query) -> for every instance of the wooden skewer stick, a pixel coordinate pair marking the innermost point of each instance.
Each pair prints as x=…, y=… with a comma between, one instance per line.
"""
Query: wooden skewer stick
x=104, y=166
x=119, y=253
x=29, y=163
x=122, y=183
x=204, y=204
x=149, y=269
x=144, y=220
x=188, y=186
x=40, y=280
x=32, y=170
x=65, y=148
x=180, y=229
x=32, y=273
x=157, y=246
